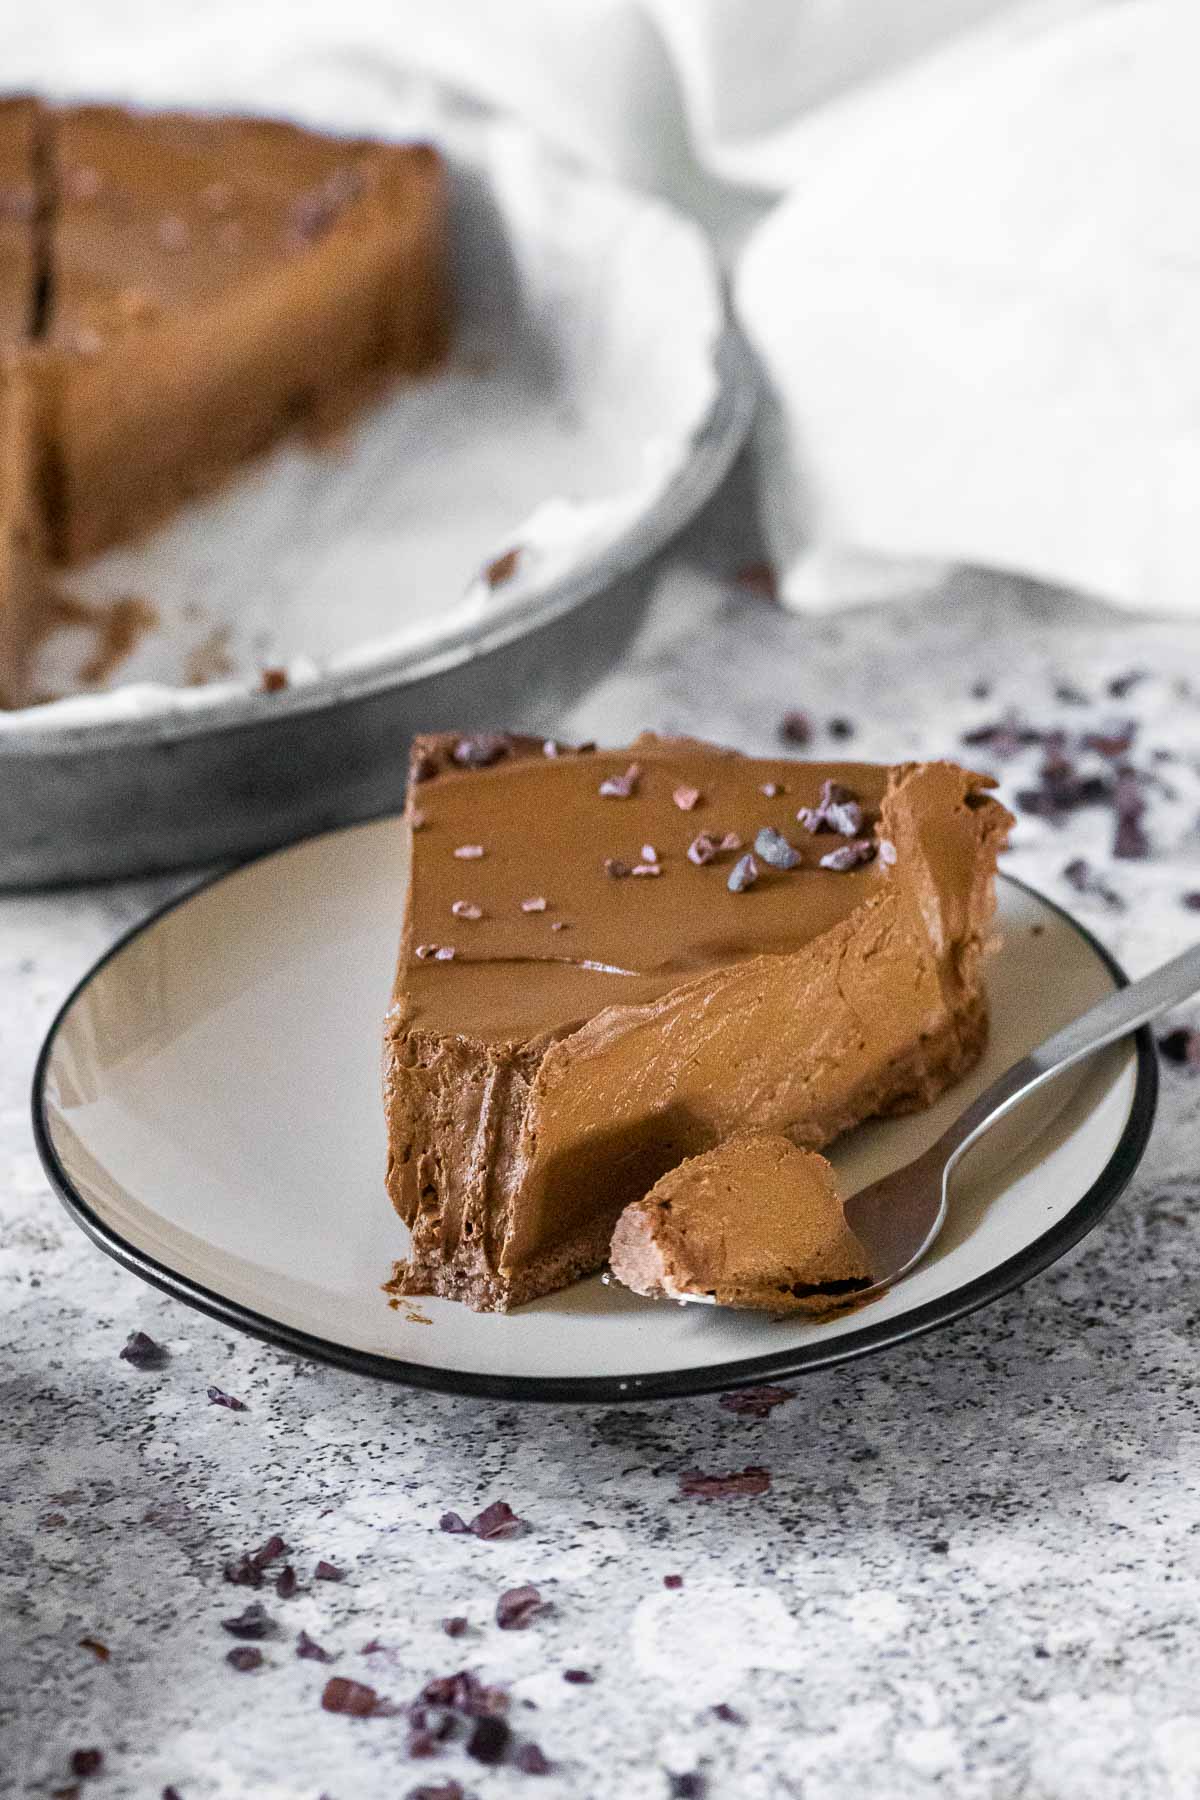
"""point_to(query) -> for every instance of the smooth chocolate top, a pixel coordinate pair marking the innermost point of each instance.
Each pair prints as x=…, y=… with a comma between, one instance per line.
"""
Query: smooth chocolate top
x=163, y=210
x=19, y=120
x=547, y=832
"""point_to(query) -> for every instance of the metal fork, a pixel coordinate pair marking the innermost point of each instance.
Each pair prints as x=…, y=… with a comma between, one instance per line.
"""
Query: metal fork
x=896, y=1220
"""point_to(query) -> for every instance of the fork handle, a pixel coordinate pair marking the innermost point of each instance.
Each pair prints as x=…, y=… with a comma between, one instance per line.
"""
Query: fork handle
x=1114, y=1017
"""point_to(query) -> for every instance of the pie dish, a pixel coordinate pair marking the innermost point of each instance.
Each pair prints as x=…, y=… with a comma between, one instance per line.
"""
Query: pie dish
x=179, y=292
x=599, y=977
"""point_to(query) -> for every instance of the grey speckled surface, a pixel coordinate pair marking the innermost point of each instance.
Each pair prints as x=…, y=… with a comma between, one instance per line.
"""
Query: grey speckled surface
x=976, y=1570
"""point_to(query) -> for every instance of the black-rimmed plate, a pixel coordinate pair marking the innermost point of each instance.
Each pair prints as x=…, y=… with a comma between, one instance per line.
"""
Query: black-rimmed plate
x=207, y=1105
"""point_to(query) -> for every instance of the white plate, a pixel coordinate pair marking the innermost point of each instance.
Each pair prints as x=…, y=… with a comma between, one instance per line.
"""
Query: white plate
x=207, y=1105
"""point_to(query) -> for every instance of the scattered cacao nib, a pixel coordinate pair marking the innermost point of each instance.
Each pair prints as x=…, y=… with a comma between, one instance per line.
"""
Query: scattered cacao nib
x=86, y=1762
x=466, y=909
x=646, y=868
x=672, y=1581
x=531, y=1759
x=1130, y=842
x=535, y=904
x=760, y=578
x=481, y=750
x=578, y=1677
x=560, y=925
x=434, y=953
x=615, y=869
x=489, y=1740
x=416, y=818
x=770, y=789
x=887, y=853
x=1114, y=743
x=1067, y=694
x=841, y=728
x=1087, y=880
x=981, y=690
x=838, y=810
x=1062, y=791
x=285, y=1582
x=341, y=1695
x=518, y=1608
x=621, y=787
x=273, y=681
x=756, y=1402
x=1120, y=685
x=687, y=798
x=216, y=1397
x=743, y=875
x=752, y=1480
x=100, y=1651
x=438, y=1790
x=327, y=1571
x=253, y=1622
x=730, y=841
x=1191, y=901
x=796, y=728
x=849, y=856
x=727, y=1714
x=495, y=1521
x=143, y=1352
x=469, y=852
x=269, y=1552
x=687, y=1787
x=502, y=569
x=171, y=1793
x=465, y=1693
x=244, y=1657
x=1181, y=1046
x=775, y=850
x=455, y=1626
x=310, y=1651
x=649, y=853
x=702, y=849
x=1006, y=736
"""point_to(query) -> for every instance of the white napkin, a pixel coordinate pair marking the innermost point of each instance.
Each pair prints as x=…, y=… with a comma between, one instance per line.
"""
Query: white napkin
x=977, y=305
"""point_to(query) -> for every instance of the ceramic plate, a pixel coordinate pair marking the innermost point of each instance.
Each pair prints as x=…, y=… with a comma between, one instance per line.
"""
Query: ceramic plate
x=207, y=1105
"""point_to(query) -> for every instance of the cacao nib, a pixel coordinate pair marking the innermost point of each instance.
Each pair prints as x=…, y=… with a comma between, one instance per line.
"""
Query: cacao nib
x=687, y=1787
x=455, y=1524
x=841, y=728
x=1062, y=791
x=756, y=1402
x=253, y=1622
x=1130, y=842
x=686, y=798
x=502, y=568
x=702, y=849
x=340, y=1695
x=454, y=1627
x=273, y=681
x=578, y=1677
x=285, y=1582
x=310, y=1651
x=1067, y=694
x=1114, y=743
x=752, y=1480
x=327, y=1571
x=465, y=1693
x=466, y=909
x=775, y=850
x=100, y=1651
x=887, y=853
x=743, y=875
x=621, y=787
x=615, y=869
x=1087, y=880
x=482, y=749
x=838, y=810
x=218, y=1398
x=518, y=1608
x=143, y=1353
x=1006, y=736
x=531, y=1759
x=981, y=690
x=1120, y=685
x=86, y=1762
x=1181, y=1046
x=489, y=1740
x=438, y=1790
x=1191, y=901
x=646, y=869
x=469, y=852
x=760, y=578
x=434, y=953
x=495, y=1521
x=849, y=856
x=269, y=1552
x=535, y=904
x=244, y=1657
x=170, y=1793
x=796, y=728
x=771, y=789
x=727, y=1714
x=672, y=1581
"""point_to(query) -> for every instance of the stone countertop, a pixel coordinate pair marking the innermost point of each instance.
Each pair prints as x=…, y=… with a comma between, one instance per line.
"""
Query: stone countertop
x=974, y=1573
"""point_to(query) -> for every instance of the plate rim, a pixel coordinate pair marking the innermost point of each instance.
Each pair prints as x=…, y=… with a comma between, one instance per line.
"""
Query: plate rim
x=608, y=1390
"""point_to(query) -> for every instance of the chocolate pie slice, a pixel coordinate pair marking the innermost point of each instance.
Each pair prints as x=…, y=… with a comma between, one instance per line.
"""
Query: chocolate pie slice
x=755, y=1223
x=614, y=961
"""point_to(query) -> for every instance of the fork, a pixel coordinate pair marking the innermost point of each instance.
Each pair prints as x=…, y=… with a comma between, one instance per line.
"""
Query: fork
x=898, y=1219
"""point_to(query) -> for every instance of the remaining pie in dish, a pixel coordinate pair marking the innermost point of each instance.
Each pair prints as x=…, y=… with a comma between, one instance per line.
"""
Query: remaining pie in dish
x=755, y=1223
x=613, y=961
x=176, y=294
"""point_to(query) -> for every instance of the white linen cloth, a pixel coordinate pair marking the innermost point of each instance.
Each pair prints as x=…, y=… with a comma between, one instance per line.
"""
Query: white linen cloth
x=978, y=301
